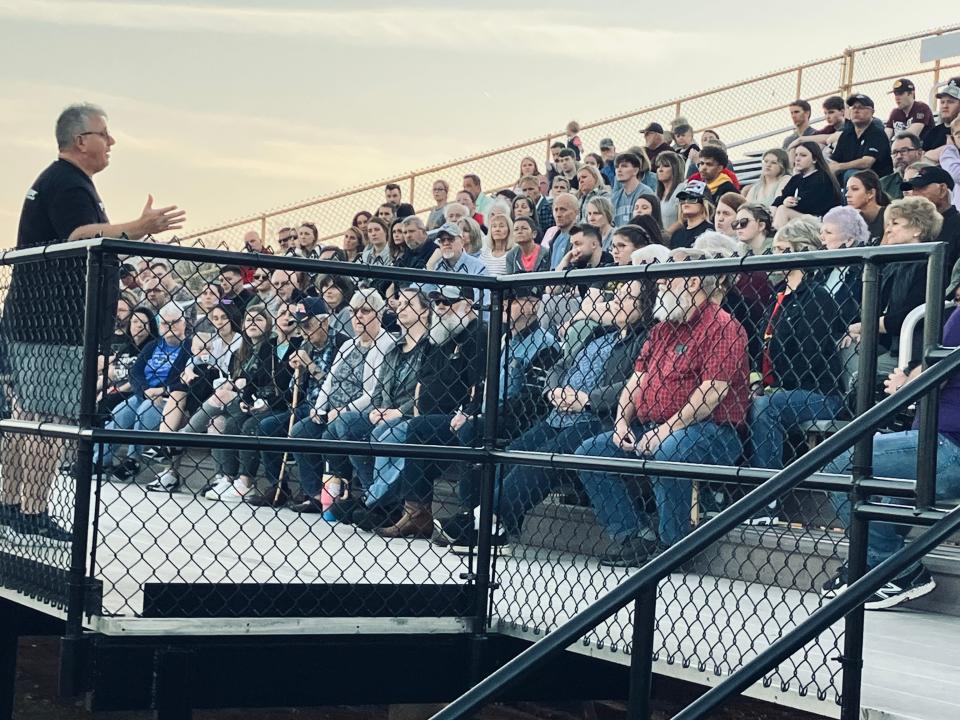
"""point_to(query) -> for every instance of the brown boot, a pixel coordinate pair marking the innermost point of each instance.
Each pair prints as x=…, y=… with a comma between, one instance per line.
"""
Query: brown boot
x=417, y=522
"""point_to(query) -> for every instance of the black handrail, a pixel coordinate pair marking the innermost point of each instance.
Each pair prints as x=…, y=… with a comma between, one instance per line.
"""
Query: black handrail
x=822, y=618
x=694, y=543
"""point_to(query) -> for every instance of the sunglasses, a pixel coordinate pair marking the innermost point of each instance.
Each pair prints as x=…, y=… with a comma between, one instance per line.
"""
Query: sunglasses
x=740, y=224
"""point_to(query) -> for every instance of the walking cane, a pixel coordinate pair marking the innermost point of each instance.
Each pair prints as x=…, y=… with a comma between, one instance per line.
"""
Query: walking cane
x=293, y=419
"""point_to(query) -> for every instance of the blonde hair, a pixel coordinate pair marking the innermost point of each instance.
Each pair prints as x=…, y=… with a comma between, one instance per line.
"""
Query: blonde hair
x=488, y=238
x=919, y=213
x=803, y=234
x=472, y=235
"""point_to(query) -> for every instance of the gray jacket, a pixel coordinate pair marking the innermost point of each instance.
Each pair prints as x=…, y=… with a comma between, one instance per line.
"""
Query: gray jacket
x=395, y=383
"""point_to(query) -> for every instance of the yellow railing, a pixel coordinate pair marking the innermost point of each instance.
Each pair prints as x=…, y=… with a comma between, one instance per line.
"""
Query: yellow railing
x=751, y=108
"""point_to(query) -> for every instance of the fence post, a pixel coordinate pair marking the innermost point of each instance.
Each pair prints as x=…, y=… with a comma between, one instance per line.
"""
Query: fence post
x=847, y=87
x=852, y=658
x=491, y=396
x=799, y=82
x=71, y=644
x=413, y=187
x=930, y=403
x=263, y=229
x=547, y=156
x=641, y=654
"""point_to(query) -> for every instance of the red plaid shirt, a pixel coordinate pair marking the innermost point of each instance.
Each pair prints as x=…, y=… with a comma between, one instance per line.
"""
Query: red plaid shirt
x=678, y=358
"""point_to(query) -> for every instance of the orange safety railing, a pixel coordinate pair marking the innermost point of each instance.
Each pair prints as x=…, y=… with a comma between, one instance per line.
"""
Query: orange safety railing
x=748, y=109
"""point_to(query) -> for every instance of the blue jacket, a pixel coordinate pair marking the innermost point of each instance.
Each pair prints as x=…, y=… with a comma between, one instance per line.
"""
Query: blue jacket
x=160, y=376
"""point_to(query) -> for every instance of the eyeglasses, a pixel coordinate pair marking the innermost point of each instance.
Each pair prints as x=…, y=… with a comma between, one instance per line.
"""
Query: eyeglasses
x=443, y=302
x=904, y=151
x=261, y=277
x=740, y=224
x=105, y=134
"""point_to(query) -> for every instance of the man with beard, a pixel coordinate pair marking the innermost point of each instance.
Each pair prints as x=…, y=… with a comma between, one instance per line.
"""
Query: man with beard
x=449, y=392
x=683, y=403
x=561, y=302
x=906, y=150
x=581, y=400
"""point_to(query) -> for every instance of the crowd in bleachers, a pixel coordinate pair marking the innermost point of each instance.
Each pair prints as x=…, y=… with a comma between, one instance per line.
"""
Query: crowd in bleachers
x=717, y=369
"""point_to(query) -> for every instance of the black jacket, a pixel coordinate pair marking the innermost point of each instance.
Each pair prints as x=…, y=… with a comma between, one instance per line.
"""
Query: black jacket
x=903, y=286
x=803, y=343
x=269, y=378
x=815, y=193
x=451, y=375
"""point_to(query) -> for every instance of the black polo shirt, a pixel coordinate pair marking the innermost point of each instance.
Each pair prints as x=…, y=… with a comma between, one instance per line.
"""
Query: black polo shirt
x=950, y=234
x=46, y=299
x=936, y=137
x=872, y=143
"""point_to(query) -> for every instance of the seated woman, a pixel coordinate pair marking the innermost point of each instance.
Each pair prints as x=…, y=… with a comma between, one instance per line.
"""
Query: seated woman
x=600, y=215
x=496, y=247
x=774, y=174
x=522, y=207
x=135, y=331
x=801, y=365
x=648, y=204
x=392, y=403
x=902, y=285
x=528, y=255
x=812, y=190
x=209, y=367
x=844, y=227
x=725, y=213
x=336, y=291
x=591, y=186
x=263, y=388
x=158, y=365
x=671, y=180
x=865, y=195
x=208, y=298
x=895, y=456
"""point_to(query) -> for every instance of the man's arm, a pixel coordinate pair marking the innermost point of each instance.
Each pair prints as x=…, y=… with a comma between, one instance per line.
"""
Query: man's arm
x=626, y=412
x=705, y=398
x=151, y=221
x=864, y=163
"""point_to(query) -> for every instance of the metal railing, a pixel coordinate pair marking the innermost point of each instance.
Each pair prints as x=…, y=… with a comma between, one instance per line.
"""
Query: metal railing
x=487, y=576
x=760, y=103
x=641, y=587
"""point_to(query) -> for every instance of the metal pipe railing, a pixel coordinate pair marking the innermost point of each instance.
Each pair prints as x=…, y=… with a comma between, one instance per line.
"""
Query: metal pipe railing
x=694, y=543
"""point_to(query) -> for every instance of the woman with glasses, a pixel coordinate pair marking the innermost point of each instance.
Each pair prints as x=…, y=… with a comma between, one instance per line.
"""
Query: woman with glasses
x=754, y=227
x=774, y=175
x=812, y=190
x=441, y=192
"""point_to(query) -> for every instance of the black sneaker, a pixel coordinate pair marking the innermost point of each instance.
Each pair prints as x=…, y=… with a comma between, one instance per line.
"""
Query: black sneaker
x=273, y=496
x=909, y=586
x=632, y=552
x=377, y=517
x=41, y=525
x=467, y=545
x=835, y=585
x=126, y=471
x=344, y=509
x=454, y=530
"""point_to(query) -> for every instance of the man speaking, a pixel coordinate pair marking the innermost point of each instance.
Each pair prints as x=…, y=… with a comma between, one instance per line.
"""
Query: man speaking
x=42, y=325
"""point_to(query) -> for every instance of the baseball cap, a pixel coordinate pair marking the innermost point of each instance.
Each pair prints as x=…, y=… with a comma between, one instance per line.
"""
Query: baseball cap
x=311, y=307
x=453, y=293
x=928, y=176
x=695, y=190
x=606, y=144
x=859, y=98
x=951, y=89
x=904, y=85
x=451, y=229
x=653, y=127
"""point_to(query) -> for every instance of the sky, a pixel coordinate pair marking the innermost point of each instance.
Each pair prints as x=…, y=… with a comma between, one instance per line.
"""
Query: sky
x=232, y=107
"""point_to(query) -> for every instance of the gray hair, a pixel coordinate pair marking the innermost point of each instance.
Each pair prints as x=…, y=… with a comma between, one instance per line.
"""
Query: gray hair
x=413, y=220
x=453, y=206
x=715, y=244
x=172, y=311
x=849, y=223
x=803, y=233
x=369, y=297
x=73, y=121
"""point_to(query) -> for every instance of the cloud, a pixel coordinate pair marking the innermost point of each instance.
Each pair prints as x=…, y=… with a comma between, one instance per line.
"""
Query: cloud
x=560, y=32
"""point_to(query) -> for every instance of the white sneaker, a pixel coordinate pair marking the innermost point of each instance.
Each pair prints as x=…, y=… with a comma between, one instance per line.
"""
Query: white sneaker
x=165, y=481
x=221, y=485
x=236, y=492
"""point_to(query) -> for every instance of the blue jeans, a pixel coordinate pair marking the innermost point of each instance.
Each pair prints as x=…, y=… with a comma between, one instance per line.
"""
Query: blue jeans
x=418, y=474
x=135, y=413
x=701, y=443
x=384, y=472
x=773, y=415
x=895, y=456
x=524, y=486
x=309, y=465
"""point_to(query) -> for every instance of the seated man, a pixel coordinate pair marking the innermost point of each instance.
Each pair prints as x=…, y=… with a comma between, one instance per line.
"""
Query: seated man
x=895, y=456
x=313, y=360
x=160, y=363
x=582, y=396
x=449, y=392
x=347, y=387
x=683, y=403
x=561, y=302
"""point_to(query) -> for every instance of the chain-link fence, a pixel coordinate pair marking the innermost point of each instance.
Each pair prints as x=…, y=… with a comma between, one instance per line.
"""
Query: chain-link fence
x=279, y=436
